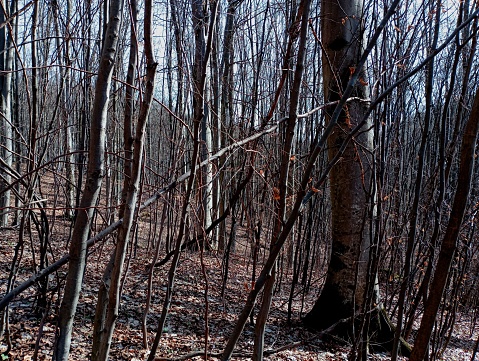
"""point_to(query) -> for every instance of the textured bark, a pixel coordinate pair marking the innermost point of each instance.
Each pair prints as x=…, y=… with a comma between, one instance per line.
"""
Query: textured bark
x=344, y=289
x=95, y=173
x=449, y=243
x=101, y=309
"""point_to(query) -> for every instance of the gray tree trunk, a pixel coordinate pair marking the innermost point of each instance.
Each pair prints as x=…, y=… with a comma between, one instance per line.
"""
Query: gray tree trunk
x=449, y=243
x=344, y=289
x=130, y=208
x=65, y=88
x=6, y=128
x=6, y=133
x=102, y=300
x=226, y=105
x=92, y=185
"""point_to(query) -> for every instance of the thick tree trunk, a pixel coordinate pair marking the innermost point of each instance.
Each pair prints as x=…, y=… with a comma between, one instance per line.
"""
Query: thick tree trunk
x=344, y=289
x=92, y=186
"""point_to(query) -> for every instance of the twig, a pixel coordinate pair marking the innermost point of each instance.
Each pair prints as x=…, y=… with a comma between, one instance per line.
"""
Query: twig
x=65, y=259
x=289, y=346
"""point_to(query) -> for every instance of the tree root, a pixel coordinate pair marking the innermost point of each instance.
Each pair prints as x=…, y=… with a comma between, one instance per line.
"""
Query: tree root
x=381, y=332
x=386, y=331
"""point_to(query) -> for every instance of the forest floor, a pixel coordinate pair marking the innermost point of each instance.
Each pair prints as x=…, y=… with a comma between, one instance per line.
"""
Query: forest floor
x=186, y=325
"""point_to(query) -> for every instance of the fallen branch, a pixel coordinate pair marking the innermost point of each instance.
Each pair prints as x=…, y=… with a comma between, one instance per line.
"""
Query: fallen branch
x=53, y=267
x=289, y=346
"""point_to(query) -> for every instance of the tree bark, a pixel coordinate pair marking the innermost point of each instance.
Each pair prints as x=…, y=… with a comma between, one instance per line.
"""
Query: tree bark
x=344, y=289
x=92, y=186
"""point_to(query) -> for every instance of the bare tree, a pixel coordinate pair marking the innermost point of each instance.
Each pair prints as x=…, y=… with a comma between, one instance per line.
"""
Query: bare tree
x=350, y=178
x=92, y=186
x=130, y=207
x=449, y=243
x=6, y=121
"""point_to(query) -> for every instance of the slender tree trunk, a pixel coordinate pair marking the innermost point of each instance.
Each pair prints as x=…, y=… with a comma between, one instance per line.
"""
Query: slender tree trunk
x=6, y=119
x=85, y=109
x=132, y=194
x=205, y=173
x=449, y=243
x=6, y=123
x=32, y=137
x=405, y=284
x=92, y=187
x=65, y=89
x=280, y=197
x=102, y=300
x=225, y=103
x=202, y=52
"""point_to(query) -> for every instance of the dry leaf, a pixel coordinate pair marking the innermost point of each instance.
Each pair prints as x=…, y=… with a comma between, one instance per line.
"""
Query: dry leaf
x=276, y=195
x=348, y=122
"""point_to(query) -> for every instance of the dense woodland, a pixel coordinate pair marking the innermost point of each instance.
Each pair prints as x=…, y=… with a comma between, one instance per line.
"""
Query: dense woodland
x=219, y=171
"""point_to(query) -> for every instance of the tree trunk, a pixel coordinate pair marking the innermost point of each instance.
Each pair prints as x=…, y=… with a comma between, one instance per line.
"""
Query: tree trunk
x=68, y=137
x=102, y=300
x=92, y=186
x=225, y=104
x=449, y=243
x=344, y=289
x=199, y=77
x=6, y=66
x=132, y=197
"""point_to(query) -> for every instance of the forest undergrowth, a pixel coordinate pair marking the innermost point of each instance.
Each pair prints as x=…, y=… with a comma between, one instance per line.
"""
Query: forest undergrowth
x=186, y=325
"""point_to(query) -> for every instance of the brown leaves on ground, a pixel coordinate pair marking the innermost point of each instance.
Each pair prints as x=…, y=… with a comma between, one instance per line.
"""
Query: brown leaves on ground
x=185, y=327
